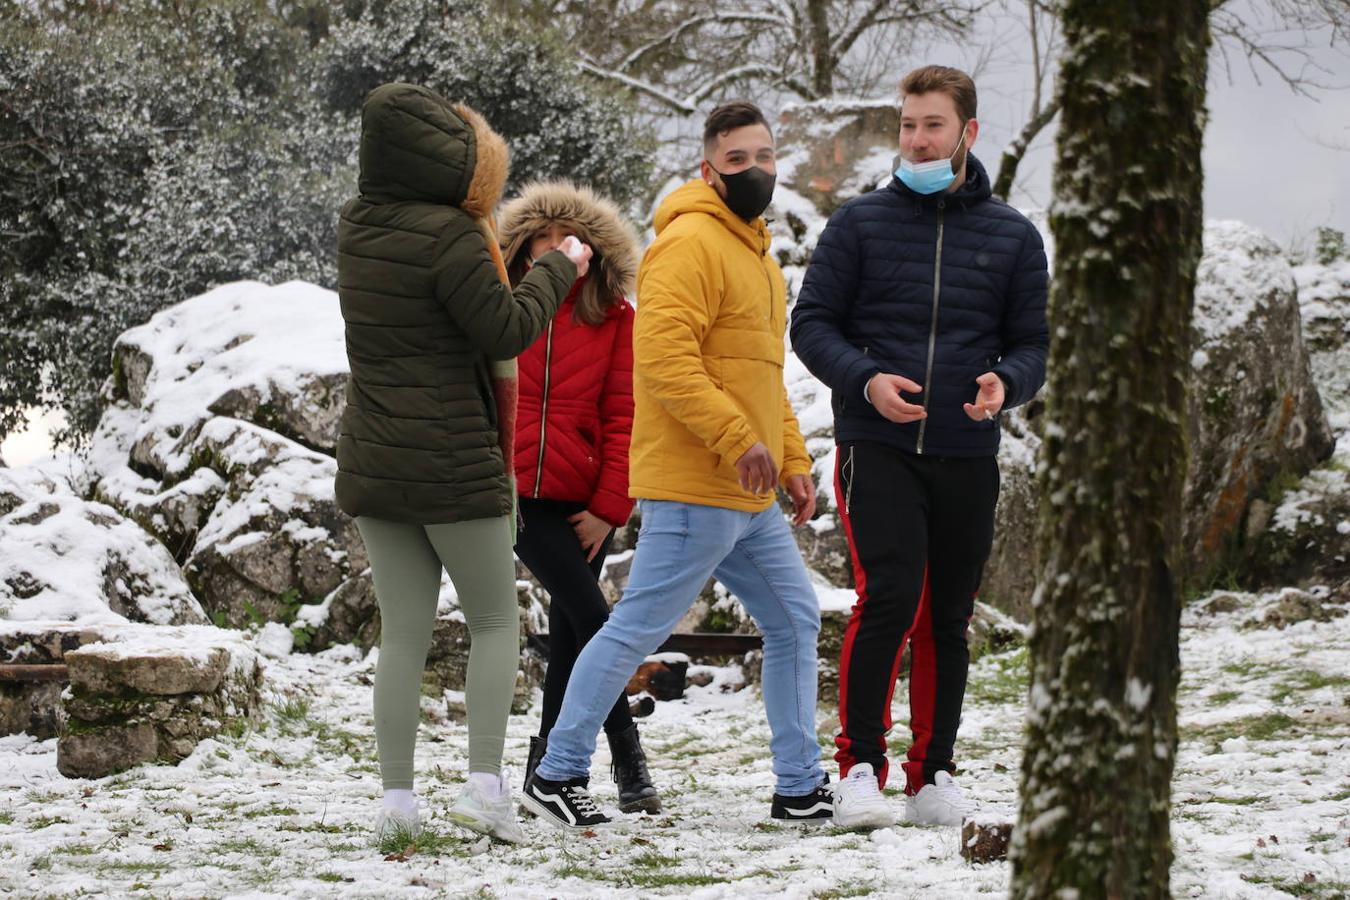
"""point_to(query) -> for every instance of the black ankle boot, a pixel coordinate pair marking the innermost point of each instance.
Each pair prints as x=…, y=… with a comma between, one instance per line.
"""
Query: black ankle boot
x=538, y=746
x=636, y=793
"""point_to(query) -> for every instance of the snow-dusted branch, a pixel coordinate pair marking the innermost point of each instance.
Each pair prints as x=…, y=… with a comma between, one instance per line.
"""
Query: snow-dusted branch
x=639, y=86
x=1013, y=153
x=674, y=34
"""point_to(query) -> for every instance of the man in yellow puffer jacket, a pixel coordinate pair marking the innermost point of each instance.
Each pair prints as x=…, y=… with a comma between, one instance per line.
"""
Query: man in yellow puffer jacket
x=713, y=437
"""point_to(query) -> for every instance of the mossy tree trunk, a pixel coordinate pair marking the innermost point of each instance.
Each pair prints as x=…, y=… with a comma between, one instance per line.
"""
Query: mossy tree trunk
x=1127, y=220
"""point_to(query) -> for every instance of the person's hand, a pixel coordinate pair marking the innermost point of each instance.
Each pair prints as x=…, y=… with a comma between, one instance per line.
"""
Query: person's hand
x=591, y=531
x=757, y=470
x=988, y=399
x=578, y=253
x=802, y=490
x=884, y=392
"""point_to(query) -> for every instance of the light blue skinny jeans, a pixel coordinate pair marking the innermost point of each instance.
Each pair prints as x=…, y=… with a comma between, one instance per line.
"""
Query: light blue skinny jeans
x=679, y=547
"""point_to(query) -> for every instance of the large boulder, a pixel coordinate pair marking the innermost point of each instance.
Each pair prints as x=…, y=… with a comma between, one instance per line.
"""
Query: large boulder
x=274, y=356
x=219, y=442
x=1306, y=533
x=1256, y=418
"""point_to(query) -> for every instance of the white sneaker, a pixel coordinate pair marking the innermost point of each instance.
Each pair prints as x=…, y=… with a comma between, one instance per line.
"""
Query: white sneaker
x=394, y=822
x=858, y=802
x=493, y=816
x=940, y=803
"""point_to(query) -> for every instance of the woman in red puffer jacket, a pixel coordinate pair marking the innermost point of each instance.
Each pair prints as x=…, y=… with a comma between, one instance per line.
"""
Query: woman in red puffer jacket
x=571, y=454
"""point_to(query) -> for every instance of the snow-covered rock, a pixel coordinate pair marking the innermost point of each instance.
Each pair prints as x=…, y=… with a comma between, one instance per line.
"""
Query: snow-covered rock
x=274, y=356
x=1256, y=416
x=64, y=559
x=1306, y=537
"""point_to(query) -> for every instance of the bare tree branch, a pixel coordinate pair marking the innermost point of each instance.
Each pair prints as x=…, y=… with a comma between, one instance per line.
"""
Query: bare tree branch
x=675, y=104
x=1013, y=153
x=674, y=34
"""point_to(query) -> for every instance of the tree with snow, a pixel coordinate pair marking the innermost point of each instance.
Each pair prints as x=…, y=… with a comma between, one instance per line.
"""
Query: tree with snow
x=1127, y=219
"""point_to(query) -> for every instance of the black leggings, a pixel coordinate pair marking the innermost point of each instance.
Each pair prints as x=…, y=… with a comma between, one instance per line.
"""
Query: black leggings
x=547, y=544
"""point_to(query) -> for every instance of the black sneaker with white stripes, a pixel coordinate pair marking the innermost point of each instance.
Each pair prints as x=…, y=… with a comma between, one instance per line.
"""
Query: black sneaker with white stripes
x=564, y=803
x=815, y=807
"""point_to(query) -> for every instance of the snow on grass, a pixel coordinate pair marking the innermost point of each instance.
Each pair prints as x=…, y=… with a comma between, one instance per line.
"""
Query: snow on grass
x=1262, y=795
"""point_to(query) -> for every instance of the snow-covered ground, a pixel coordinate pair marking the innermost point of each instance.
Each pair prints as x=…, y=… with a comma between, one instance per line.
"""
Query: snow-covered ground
x=1261, y=796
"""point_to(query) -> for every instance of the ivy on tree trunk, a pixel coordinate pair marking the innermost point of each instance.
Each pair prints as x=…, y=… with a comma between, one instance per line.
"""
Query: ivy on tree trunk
x=1127, y=220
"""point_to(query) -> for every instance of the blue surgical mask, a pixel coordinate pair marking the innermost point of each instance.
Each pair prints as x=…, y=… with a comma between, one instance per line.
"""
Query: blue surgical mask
x=932, y=176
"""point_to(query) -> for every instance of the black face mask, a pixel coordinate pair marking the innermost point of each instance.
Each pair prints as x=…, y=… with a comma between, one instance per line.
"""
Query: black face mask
x=748, y=192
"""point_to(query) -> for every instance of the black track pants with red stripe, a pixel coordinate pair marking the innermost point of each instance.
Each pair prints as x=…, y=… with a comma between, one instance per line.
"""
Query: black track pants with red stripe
x=919, y=529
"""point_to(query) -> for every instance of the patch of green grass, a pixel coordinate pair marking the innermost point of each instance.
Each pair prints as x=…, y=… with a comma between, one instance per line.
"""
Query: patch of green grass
x=573, y=870
x=1266, y=727
x=294, y=712
x=850, y=889
x=1237, y=801
x=1304, y=680
x=1297, y=887
x=37, y=797
x=1339, y=796
x=129, y=867
x=42, y=822
x=1320, y=836
x=675, y=879
x=272, y=810
x=331, y=876
x=654, y=860
x=1000, y=679
x=429, y=842
x=40, y=863
x=6, y=818
x=246, y=845
x=682, y=745
x=1222, y=698
x=317, y=827
x=76, y=849
x=1249, y=668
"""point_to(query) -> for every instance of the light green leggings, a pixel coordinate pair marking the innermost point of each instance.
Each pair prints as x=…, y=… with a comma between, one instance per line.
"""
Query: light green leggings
x=406, y=562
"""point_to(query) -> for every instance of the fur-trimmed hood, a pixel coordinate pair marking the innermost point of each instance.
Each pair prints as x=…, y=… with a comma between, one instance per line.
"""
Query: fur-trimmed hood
x=593, y=219
x=418, y=146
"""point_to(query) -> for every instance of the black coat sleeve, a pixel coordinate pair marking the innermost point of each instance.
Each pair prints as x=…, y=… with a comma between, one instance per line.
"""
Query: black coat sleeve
x=1026, y=337
x=824, y=305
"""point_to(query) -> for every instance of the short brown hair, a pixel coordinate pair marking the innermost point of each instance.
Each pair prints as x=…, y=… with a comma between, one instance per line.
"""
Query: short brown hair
x=728, y=116
x=945, y=80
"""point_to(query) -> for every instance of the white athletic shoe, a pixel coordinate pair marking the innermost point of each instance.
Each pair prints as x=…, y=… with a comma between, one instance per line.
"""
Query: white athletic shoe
x=394, y=822
x=940, y=803
x=493, y=816
x=858, y=802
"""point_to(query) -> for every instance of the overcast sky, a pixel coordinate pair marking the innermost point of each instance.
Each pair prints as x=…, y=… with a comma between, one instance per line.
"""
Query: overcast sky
x=1266, y=157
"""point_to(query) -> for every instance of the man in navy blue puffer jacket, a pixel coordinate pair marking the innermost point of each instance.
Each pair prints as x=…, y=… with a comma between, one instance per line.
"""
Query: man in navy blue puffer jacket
x=923, y=309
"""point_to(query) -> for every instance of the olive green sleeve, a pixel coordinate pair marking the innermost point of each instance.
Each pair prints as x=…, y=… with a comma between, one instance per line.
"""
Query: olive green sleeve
x=500, y=321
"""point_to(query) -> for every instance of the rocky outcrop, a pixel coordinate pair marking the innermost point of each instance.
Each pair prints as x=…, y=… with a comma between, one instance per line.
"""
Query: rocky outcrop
x=1256, y=417
x=1303, y=534
x=153, y=696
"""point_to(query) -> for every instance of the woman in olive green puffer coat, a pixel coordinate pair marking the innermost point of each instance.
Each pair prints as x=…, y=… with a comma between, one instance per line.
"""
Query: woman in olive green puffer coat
x=432, y=332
